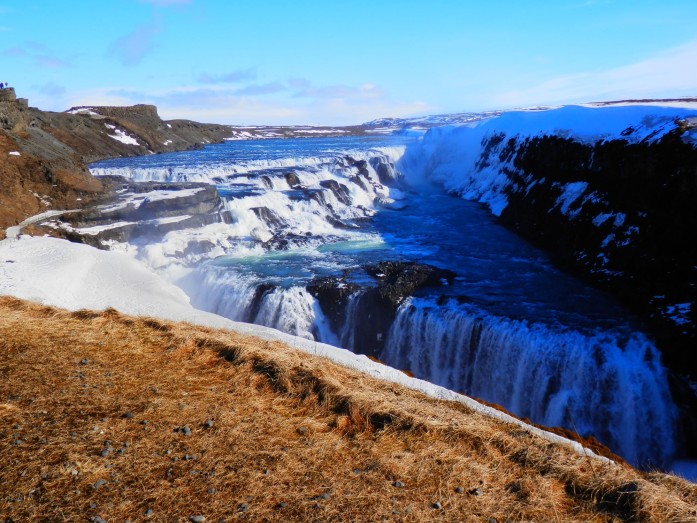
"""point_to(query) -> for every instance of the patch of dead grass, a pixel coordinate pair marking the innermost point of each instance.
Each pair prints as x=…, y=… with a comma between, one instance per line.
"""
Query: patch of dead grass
x=89, y=396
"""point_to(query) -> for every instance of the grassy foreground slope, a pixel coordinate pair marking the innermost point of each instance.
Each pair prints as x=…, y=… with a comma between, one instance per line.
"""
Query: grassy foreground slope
x=121, y=418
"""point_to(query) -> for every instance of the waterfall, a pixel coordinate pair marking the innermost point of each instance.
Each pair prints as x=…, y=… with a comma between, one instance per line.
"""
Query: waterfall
x=606, y=384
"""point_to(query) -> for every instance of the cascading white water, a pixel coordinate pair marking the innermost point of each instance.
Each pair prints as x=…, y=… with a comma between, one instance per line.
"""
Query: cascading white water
x=229, y=294
x=605, y=384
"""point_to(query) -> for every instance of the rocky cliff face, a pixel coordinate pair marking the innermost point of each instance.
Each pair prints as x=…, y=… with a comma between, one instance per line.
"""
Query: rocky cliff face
x=44, y=155
x=628, y=228
x=611, y=192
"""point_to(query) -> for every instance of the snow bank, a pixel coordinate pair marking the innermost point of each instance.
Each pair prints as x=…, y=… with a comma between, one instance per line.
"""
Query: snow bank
x=75, y=276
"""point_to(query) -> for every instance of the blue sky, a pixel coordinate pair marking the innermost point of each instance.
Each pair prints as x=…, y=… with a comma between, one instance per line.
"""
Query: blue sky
x=341, y=62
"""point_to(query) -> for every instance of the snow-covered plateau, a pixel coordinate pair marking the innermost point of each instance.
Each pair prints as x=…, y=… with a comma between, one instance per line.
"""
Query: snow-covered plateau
x=360, y=242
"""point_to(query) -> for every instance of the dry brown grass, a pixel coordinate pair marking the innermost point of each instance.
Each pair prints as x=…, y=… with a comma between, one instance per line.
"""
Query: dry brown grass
x=295, y=438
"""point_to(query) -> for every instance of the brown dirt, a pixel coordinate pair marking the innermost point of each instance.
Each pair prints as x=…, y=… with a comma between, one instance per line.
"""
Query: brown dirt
x=294, y=437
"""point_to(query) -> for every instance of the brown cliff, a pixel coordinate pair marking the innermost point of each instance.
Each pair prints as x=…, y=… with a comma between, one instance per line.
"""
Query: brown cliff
x=44, y=155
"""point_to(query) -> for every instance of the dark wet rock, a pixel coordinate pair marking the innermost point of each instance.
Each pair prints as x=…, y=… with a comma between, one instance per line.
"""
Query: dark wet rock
x=399, y=280
x=332, y=292
x=360, y=165
x=261, y=290
x=293, y=181
x=359, y=181
x=436, y=505
x=384, y=169
x=341, y=192
x=268, y=216
x=340, y=224
x=376, y=306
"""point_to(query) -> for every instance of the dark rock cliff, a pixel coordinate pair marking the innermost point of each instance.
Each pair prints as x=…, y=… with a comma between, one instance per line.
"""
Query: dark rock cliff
x=628, y=227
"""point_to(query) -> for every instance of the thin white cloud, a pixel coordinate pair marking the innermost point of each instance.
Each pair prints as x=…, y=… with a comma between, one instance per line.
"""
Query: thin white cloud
x=224, y=105
x=40, y=54
x=670, y=73
x=130, y=49
x=233, y=77
x=259, y=89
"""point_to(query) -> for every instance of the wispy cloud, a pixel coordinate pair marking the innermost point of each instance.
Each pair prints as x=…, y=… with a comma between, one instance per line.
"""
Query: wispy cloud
x=670, y=73
x=259, y=89
x=345, y=92
x=5, y=29
x=40, y=54
x=261, y=106
x=237, y=76
x=130, y=49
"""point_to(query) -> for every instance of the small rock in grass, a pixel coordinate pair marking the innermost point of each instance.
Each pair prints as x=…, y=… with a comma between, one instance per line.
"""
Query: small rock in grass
x=98, y=483
x=93, y=505
x=186, y=431
x=475, y=492
x=84, y=361
x=325, y=496
x=209, y=424
x=105, y=452
x=144, y=422
x=302, y=431
x=212, y=491
x=492, y=520
x=398, y=484
x=459, y=490
x=243, y=507
x=437, y=505
x=197, y=519
x=127, y=415
x=97, y=519
x=282, y=504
